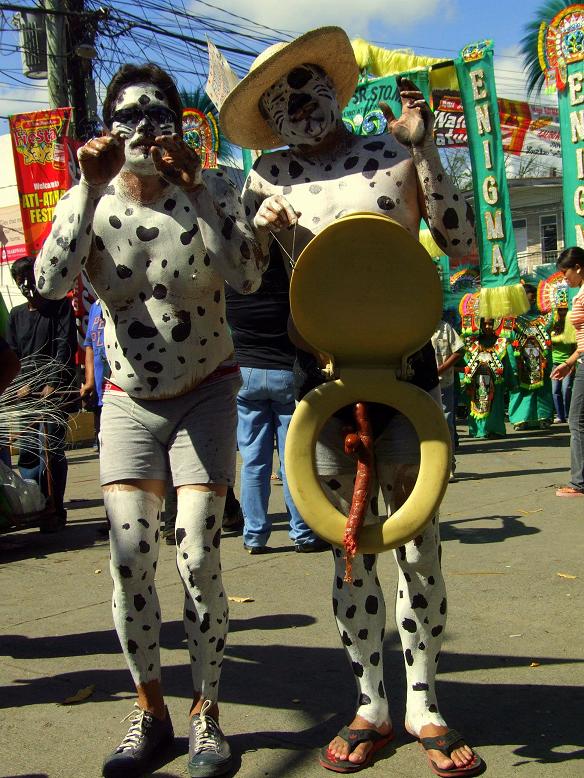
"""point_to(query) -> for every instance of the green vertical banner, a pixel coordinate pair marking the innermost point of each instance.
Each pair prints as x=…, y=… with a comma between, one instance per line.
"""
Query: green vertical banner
x=571, y=105
x=501, y=290
x=560, y=49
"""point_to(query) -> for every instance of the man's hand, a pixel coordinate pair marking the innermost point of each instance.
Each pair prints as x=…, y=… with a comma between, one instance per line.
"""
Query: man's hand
x=24, y=391
x=177, y=163
x=47, y=390
x=416, y=122
x=101, y=159
x=275, y=214
x=86, y=390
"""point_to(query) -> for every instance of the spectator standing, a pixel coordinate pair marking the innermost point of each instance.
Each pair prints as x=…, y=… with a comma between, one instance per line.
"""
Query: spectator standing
x=265, y=404
x=571, y=263
x=563, y=337
x=9, y=359
x=96, y=365
x=9, y=366
x=449, y=348
x=45, y=328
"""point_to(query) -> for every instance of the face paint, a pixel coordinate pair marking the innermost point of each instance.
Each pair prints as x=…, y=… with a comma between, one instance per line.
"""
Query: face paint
x=26, y=284
x=302, y=107
x=140, y=114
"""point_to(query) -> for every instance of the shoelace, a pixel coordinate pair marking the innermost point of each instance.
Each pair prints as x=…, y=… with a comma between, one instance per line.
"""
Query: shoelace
x=135, y=733
x=207, y=733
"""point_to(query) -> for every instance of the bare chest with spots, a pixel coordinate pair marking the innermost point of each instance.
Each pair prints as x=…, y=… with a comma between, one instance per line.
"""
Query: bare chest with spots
x=139, y=251
x=163, y=303
x=376, y=176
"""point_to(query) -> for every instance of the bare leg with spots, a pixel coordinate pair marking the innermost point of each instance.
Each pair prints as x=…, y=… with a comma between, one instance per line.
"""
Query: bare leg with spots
x=359, y=610
x=420, y=614
x=420, y=617
x=206, y=618
x=134, y=513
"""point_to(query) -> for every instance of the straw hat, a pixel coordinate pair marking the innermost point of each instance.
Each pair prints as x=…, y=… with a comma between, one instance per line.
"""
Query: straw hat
x=329, y=47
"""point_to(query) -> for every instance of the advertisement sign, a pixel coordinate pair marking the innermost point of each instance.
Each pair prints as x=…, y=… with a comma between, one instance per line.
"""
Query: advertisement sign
x=12, y=245
x=525, y=128
x=43, y=172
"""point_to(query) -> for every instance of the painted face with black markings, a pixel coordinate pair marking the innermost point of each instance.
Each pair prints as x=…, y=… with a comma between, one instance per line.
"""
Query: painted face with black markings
x=302, y=107
x=140, y=114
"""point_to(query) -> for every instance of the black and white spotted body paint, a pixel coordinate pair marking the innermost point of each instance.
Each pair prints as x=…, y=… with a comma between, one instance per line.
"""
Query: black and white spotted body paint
x=302, y=106
x=141, y=113
x=135, y=519
x=159, y=270
x=420, y=609
x=375, y=174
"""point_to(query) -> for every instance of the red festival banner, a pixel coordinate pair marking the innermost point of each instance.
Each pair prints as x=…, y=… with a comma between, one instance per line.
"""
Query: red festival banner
x=43, y=174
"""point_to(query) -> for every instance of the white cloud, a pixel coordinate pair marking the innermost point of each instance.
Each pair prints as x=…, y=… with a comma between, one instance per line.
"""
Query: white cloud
x=22, y=99
x=358, y=19
x=511, y=79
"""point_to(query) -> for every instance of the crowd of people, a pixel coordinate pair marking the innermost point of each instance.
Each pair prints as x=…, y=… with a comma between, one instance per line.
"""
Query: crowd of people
x=514, y=368
x=190, y=354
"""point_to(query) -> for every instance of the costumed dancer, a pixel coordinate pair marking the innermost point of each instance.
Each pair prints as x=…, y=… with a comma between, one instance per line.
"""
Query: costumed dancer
x=158, y=237
x=571, y=264
x=487, y=371
x=293, y=96
x=530, y=403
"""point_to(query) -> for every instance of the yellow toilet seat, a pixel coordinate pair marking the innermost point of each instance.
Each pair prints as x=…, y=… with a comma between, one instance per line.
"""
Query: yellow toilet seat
x=382, y=307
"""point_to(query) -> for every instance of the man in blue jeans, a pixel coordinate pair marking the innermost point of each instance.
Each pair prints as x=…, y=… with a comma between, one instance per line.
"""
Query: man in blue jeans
x=265, y=404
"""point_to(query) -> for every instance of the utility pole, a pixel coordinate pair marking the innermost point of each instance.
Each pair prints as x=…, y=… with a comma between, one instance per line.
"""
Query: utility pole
x=81, y=30
x=56, y=53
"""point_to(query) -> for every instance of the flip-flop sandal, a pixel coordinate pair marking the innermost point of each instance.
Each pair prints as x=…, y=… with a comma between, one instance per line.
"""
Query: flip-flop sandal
x=354, y=737
x=446, y=744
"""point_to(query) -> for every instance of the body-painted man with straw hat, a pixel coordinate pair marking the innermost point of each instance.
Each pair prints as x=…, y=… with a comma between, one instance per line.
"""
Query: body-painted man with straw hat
x=293, y=97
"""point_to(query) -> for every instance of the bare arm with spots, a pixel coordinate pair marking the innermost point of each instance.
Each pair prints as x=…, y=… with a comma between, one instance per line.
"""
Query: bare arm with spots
x=253, y=198
x=229, y=241
x=67, y=248
x=450, y=218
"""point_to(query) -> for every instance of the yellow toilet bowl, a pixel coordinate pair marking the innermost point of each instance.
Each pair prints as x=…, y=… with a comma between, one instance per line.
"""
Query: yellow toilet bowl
x=365, y=292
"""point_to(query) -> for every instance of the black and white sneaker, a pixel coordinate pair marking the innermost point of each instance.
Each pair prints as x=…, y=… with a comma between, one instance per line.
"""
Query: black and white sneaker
x=209, y=752
x=146, y=738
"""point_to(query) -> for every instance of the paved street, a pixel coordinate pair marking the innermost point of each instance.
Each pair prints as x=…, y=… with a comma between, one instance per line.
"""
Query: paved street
x=513, y=561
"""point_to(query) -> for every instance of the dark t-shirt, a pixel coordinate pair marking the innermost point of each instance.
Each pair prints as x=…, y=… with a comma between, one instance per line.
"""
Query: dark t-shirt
x=47, y=332
x=259, y=321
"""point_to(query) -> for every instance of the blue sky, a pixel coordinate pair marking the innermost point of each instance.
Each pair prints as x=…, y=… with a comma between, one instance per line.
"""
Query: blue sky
x=437, y=28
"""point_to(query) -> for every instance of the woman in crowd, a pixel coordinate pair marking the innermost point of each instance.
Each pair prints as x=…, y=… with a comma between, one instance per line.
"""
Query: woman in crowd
x=571, y=263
